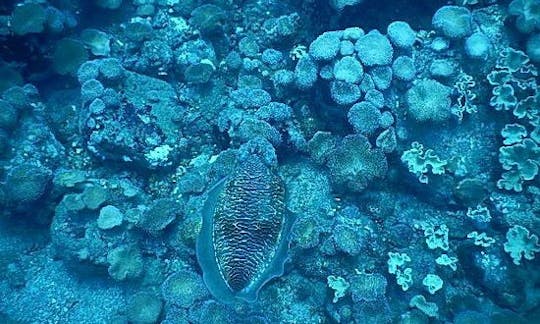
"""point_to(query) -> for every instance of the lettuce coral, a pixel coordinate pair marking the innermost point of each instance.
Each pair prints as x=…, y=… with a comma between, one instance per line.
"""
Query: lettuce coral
x=521, y=162
x=422, y=162
x=521, y=244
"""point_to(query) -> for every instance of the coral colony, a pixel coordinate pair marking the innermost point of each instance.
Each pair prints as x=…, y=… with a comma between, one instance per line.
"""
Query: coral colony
x=265, y=161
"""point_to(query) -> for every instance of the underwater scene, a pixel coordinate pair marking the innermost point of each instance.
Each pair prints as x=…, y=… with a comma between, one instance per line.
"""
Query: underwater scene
x=267, y=161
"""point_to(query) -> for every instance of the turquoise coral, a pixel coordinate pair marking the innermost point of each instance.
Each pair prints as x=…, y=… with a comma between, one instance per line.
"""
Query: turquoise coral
x=325, y=47
x=127, y=129
x=125, y=262
x=521, y=162
x=374, y=49
x=513, y=134
x=446, y=260
x=436, y=237
x=396, y=265
x=432, y=282
x=421, y=162
x=429, y=100
x=528, y=14
x=453, y=21
x=521, y=244
x=401, y=34
x=428, y=308
x=28, y=18
x=481, y=239
x=339, y=285
x=354, y=163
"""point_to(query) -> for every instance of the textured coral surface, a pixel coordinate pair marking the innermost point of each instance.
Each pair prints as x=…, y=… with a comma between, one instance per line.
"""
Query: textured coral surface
x=397, y=176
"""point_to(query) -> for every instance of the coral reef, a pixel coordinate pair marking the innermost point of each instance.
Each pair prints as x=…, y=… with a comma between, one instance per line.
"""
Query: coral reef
x=364, y=161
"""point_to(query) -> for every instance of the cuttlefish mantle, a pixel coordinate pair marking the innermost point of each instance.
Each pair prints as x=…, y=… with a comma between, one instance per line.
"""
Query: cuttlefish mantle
x=244, y=239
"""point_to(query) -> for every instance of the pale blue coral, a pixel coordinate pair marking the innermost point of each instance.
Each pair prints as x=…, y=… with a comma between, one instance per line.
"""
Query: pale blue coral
x=453, y=21
x=374, y=49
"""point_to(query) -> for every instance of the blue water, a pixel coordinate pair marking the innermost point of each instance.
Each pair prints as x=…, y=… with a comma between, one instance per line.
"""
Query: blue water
x=401, y=139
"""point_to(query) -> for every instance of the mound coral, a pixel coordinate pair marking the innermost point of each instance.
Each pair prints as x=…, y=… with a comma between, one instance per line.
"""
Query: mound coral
x=354, y=163
x=528, y=14
x=429, y=100
x=453, y=21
